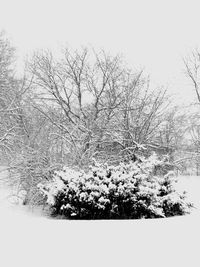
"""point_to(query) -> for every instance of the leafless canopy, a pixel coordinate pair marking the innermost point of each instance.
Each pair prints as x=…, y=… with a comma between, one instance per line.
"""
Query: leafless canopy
x=95, y=104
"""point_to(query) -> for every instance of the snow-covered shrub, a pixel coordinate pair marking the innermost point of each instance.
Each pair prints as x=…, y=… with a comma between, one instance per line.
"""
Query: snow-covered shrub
x=127, y=191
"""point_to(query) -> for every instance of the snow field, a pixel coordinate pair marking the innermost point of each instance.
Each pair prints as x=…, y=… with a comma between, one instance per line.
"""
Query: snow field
x=28, y=240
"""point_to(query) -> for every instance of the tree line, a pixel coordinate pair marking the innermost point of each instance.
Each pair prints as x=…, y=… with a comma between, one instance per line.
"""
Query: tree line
x=88, y=104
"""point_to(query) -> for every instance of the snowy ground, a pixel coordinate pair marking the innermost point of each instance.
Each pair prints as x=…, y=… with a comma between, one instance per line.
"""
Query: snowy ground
x=191, y=184
x=28, y=240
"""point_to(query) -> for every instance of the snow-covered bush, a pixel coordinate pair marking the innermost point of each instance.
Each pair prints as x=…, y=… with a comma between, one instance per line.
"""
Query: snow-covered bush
x=127, y=191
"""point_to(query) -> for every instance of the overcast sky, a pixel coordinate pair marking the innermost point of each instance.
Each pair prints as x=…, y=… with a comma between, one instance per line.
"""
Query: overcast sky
x=154, y=34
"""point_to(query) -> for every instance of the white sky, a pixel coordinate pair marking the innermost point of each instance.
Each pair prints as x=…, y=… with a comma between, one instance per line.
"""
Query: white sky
x=154, y=34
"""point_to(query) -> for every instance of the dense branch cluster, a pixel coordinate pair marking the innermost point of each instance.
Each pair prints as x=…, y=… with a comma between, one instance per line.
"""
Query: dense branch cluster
x=97, y=106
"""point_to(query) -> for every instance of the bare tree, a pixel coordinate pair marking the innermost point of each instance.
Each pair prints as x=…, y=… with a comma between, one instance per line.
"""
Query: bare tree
x=98, y=103
x=192, y=70
x=9, y=107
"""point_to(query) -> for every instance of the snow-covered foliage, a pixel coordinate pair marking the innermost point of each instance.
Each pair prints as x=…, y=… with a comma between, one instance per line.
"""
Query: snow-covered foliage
x=126, y=191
